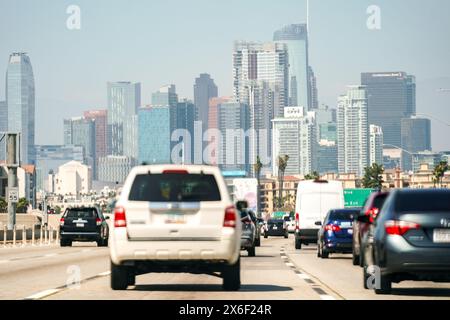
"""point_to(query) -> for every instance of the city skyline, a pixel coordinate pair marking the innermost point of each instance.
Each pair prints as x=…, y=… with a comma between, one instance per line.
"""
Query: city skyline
x=73, y=51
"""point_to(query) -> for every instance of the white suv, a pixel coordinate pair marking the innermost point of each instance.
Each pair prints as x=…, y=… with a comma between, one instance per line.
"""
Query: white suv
x=172, y=218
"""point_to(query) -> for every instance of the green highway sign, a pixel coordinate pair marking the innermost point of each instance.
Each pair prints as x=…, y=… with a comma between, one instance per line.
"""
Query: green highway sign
x=279, y=214
x=356, y=197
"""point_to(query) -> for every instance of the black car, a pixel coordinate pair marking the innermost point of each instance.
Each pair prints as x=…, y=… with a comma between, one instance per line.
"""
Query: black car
x=85, y=225
x=276, y=228
x=409, y=240
x=257, y=223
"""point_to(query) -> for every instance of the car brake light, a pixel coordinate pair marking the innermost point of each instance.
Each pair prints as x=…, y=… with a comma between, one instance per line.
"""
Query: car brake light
x=98, y=221
x=230, y=217
x=332, y=227
x=399, y=228
x=61, y=222
x=120, y=220
x=175, y=171
x=297, y=221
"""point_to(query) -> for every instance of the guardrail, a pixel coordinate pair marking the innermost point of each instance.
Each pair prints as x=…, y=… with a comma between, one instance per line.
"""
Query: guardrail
x=22, y=236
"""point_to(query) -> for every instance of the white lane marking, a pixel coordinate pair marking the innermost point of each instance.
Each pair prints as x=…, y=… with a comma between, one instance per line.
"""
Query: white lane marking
x=4, y=261
x=289, y=264
x=86, y=250
x=303, y=276
x=326, y=297
x=43, y=294
x=50, y=255
x=104, y=274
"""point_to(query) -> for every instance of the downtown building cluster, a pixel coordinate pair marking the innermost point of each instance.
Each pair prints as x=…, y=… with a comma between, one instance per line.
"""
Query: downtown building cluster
x=273, y=111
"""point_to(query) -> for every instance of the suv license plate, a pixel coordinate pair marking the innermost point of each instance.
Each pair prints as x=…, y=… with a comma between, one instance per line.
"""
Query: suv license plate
x=441, y=236
x=80, y=225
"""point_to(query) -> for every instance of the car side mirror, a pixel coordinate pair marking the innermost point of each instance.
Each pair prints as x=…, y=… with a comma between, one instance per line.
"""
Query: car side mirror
x=107, y=218
x=363, y=219
x=318, y=223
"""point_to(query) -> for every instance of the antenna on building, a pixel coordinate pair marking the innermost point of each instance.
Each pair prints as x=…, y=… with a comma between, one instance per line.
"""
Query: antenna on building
x=307, y=18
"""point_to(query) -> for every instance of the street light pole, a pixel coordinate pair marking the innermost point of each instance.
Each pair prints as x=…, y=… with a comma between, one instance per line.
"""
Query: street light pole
x=12, y=163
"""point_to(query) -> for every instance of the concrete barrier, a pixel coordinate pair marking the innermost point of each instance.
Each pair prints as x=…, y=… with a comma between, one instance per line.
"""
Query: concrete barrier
x=23, y=235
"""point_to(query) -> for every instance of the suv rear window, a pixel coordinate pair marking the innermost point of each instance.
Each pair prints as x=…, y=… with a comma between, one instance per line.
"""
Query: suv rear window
x=433, y=201
x=343, y=215
x=174, y=187
x=82, y=213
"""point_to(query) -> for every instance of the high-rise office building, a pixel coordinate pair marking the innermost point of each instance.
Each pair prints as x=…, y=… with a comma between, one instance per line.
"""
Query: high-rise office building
x=50, y=157
x=233, y=123
x=328, y=131
x=415, y=137
x=353, y=140
x=295, y=135
x=3, y=128
x=327, y=157
x=100, y=118
x=391, y=97
x=115, y=169
x=313, y=92
x=124, y=98
x=81, y=132
x=154, y=135
x=20, y=97
x=213, y=124
x=295, y=36
x=183, y=118
x=165, y=96
x=204, y=90
x=376, y=145
x=432, y=159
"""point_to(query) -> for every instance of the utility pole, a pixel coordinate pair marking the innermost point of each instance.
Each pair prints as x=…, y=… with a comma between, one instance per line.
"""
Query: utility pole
x=12, y=163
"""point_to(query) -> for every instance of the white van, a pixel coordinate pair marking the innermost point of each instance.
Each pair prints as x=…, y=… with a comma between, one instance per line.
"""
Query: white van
x=314, y=200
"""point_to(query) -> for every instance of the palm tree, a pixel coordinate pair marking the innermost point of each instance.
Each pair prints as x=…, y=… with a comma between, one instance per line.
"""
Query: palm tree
x=282, y=165
x=373, y=178
x=257, y=168
x=439, y=172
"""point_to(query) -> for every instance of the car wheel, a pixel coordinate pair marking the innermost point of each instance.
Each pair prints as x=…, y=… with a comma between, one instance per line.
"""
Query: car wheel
x=119, y=277
x=319, y=254
x=298, y=244
x=355, y=259
x=286, y=236
x=131, y=278
x=232, y=277
x=366, y=277
x=258, y=242
x=266, y=236
x=252, y=251
x=63, y=243
x=324, y=253
x=385, y=285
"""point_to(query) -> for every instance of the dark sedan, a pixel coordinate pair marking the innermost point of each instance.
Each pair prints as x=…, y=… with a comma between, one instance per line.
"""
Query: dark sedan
x=409, y=240
x=276, y=228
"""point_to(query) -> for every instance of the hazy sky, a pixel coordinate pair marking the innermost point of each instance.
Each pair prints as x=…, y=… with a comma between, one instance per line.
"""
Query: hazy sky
x=158, y=42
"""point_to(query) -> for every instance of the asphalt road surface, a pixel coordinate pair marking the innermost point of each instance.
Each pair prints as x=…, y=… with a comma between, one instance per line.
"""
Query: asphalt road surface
x=278, y=272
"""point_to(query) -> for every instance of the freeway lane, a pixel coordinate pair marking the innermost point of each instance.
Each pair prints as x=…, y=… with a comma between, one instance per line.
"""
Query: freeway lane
x=278, y=272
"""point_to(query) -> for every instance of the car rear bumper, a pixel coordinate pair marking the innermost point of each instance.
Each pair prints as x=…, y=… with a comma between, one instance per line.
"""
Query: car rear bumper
x=276, y=233
x=339, y=246
x=402, y=257
x=122, y=249
x=80, y=236
x=307, y=235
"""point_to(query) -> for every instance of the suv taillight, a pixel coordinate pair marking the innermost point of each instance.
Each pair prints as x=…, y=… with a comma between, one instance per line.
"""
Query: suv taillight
x=98, y=221
x=230, y=217
x=399, y=228
x=61, y=222
x=120, y=220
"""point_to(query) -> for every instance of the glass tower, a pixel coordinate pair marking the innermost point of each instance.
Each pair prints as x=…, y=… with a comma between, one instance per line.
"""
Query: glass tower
x=20, y=98
x=295, y=36
x=3, y=127
x=124, y=98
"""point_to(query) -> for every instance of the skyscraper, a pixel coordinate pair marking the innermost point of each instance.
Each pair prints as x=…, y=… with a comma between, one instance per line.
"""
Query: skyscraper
x=295, y=135
x=376, y=145
x=124, y=98
x=20, y=97
x=295, y=36
x=391, y=97
x=204, y=90
x=183, y=117
x=80, y=131
x=313, y=92
x=3, y=127
x=260, y=80
x=415, y=137
x=165, y=96
x=100, y=117
x=233, y=123
x=154, y=135
x=213, y=119
x=353, y=140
